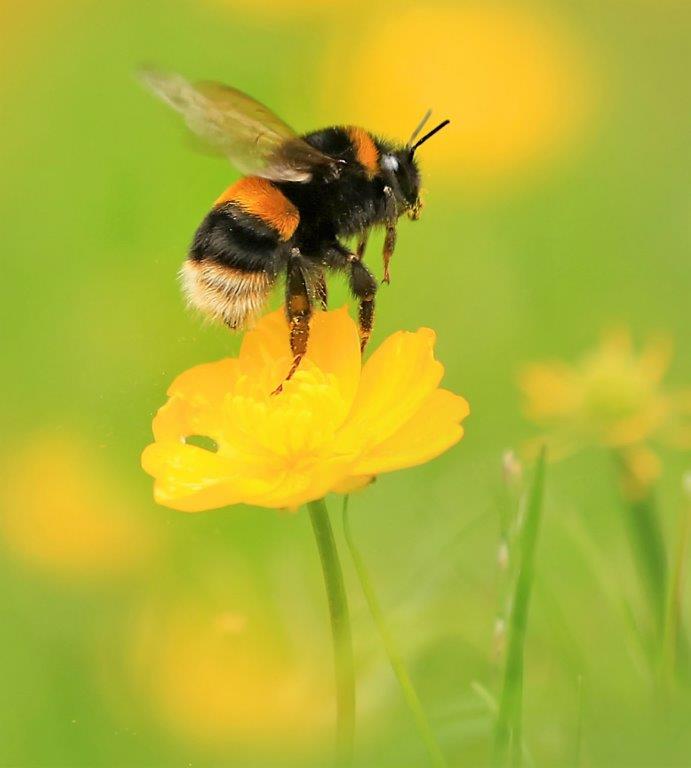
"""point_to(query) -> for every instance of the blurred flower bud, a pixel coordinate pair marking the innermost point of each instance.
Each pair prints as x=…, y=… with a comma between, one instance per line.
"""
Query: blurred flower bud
x=503, y=555
x=512, y=469
x=639, y=469
x=686, y=484
x=499, y=637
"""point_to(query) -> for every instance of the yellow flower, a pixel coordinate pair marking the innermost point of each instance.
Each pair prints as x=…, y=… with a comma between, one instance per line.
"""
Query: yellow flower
x=336, y=424
x=612, y=397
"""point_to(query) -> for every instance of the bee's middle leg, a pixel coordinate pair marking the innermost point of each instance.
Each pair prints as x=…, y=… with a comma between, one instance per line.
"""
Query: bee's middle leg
x=321, y=290
x=298, y=312
x=362, y=244
x=362, y=285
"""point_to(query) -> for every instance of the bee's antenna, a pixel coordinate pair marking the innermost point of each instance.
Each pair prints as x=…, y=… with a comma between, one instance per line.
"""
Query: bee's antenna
x=429, y=135
x=420, y=126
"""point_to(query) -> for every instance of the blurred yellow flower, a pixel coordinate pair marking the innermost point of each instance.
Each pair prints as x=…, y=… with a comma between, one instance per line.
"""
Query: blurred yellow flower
x=216, y=678
x=613, y=396
x=63, y=514
x=639, y=470
x=336, y=424
x=514, y=82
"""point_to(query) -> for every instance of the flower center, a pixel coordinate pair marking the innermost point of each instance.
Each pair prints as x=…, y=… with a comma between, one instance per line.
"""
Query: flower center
x=298, y=423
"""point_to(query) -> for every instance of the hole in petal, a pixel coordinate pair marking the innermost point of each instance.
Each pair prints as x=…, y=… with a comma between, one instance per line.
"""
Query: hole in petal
x=202, y=441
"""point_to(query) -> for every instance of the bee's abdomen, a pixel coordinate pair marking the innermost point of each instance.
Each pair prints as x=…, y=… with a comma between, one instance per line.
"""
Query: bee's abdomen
x=238, y=251
x=233, y=296
x=262, y=200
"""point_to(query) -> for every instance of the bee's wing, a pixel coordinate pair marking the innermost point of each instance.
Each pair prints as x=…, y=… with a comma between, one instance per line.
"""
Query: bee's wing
x=252, y=137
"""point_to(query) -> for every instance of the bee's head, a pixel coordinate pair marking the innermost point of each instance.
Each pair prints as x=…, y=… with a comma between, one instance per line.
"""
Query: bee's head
x=401, y=169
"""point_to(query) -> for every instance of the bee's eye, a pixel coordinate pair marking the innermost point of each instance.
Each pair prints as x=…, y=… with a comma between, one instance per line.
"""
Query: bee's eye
x=389, y=163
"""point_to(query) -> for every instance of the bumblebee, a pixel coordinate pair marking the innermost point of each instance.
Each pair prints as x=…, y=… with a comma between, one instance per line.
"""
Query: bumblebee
x=301, y=196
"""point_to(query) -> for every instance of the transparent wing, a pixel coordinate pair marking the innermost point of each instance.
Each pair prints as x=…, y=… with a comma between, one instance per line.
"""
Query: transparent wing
x=233, y=124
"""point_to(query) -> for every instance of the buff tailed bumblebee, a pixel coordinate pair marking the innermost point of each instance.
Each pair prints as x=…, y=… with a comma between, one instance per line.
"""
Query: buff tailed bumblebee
x=287, y=215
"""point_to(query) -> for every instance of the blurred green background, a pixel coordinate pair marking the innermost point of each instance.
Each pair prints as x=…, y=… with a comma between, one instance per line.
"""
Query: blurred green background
x=557, y=205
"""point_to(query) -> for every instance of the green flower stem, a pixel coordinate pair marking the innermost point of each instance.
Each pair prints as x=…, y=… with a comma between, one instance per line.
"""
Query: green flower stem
x=648, y=551
x=508, y=733
x=340, y=630
x=399, y=668
x=672, y=636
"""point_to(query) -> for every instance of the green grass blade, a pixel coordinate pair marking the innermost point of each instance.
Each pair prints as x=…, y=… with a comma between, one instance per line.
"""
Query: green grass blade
x=508, y=734
x=649, y=552
x=395, y=659
x=578, y=741
x=673, y=631
x=647, y=545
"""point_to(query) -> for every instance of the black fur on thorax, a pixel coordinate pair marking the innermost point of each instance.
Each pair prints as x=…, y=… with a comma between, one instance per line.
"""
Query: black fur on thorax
x=340, y=207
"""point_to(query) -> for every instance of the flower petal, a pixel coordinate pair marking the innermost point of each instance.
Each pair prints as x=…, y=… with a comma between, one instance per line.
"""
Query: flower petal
x=209, y=382
x=195, y=402
x=394, y=383
x=299, y=485
x=189, y=478
x=656, y=357
x=334, y=347
x=172, y=421
x=434, y=428
x=353, y=483
x=265, y=344
x=549, y=390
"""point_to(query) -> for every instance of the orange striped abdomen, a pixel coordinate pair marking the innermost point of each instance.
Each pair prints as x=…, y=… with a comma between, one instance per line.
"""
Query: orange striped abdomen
x=259, y=197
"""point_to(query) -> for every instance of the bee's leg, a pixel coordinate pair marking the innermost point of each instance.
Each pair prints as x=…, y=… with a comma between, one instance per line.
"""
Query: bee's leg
x=390, y=236
x=389, y=245
x=298, y=311
x=364, y=287
x=321, y=291
x=362, y=244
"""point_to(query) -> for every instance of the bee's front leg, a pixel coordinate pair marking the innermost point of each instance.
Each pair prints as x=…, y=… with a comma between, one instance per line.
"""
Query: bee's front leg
x=390, y=236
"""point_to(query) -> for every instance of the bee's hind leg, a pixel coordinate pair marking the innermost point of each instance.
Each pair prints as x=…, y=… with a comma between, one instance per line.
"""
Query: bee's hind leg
x=298, y=311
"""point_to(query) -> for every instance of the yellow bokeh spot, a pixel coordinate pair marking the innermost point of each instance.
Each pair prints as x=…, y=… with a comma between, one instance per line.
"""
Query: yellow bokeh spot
x=513, y=81
x=64, y=515
x=216, y=678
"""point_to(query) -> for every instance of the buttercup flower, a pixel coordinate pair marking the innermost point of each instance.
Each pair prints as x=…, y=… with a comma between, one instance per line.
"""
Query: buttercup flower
x=336, y=424
x=613, y=397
